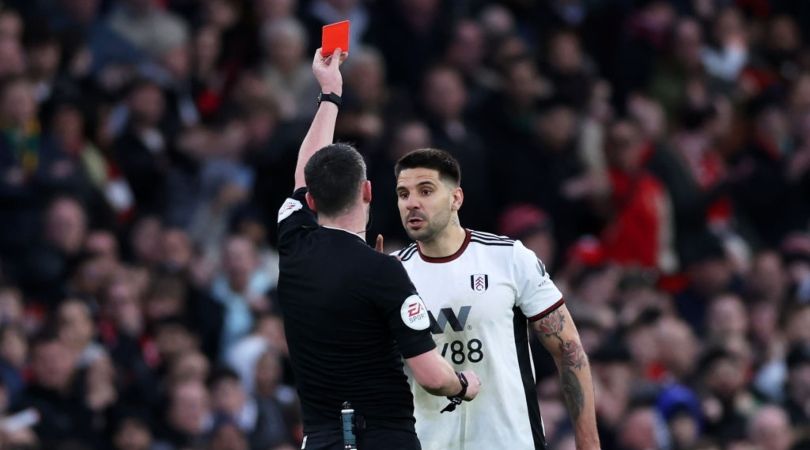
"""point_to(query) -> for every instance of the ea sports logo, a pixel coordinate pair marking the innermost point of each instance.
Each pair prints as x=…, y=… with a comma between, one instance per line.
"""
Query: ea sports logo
x=414, y=313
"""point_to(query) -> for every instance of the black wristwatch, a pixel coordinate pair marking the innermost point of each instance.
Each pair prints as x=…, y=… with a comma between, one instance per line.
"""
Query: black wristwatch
x=456, y=400
x=329, y=97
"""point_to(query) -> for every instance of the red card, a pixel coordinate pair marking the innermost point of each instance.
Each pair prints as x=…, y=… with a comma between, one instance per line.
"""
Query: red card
x=335, y=35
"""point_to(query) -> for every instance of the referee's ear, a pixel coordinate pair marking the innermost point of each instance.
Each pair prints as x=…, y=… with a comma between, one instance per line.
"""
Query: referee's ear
x=366, y=188
x=311, y=202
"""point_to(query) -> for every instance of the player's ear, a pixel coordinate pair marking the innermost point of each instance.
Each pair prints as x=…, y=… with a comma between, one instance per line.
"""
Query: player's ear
x=366, y=188
x=458, y=198
x=311, y=202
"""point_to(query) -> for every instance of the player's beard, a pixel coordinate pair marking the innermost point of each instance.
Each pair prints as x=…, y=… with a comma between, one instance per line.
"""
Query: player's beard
x=433, y=226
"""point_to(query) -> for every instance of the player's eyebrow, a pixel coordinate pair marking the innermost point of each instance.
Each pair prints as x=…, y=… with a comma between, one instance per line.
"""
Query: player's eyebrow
x=422, y=183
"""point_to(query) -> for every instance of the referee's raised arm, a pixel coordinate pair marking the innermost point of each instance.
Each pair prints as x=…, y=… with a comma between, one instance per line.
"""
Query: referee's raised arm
x=322, y=131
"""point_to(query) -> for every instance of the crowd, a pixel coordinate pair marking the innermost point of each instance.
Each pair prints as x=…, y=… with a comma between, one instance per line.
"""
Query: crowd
x=654, y=153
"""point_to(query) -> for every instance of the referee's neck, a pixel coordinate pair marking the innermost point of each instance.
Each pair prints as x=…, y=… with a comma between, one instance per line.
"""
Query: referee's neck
x=446, y=243
x=353, y=221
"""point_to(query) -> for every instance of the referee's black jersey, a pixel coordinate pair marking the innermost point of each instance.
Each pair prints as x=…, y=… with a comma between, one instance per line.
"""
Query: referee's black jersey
x=350, y=315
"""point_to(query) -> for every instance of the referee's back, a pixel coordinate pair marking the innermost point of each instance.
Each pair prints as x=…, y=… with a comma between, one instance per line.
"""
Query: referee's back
x=347, y=322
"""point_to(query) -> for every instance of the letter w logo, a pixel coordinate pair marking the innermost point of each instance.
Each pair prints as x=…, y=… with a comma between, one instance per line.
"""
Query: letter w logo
x=445, y=316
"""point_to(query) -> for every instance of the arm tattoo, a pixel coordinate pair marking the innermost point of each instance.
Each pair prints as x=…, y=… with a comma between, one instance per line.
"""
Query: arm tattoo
x=552, y=324
x=572, y=357
x=572, y=393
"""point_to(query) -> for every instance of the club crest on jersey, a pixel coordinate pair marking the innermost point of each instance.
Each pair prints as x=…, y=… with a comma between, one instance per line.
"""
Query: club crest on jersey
x=479, y=282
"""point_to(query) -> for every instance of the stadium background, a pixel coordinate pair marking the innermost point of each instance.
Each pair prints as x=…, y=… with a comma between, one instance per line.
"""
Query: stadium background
x=655, y=154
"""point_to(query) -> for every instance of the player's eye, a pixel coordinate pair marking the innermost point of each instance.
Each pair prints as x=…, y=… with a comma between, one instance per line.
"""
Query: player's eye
x=426, y=192
x=403, y=195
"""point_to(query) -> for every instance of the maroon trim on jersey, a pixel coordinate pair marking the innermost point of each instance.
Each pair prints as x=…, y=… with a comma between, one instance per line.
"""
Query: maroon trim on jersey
x=454, y=256
x=548, y=311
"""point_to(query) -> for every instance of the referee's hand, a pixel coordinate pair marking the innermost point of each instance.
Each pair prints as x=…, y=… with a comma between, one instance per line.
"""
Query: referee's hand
x=325, y=68
x=474, y=384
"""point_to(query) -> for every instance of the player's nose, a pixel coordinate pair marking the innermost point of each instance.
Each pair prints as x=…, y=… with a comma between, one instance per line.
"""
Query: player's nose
x=412, y=203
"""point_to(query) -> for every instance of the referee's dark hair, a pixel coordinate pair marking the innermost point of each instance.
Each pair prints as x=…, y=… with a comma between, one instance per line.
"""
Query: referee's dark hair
x=333, y=176
x=431, y=158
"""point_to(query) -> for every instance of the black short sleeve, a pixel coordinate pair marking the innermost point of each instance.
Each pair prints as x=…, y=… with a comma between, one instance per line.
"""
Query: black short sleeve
x=294, y=216
x=405, y=312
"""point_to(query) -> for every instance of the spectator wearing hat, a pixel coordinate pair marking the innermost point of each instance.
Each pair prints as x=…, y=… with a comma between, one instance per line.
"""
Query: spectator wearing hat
x=680, y=407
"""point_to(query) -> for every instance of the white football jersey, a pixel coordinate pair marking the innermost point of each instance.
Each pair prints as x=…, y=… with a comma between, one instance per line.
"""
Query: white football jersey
x=481, y=300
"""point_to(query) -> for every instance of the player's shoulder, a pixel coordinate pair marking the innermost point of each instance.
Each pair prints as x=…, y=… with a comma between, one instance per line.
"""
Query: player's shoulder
x=490, y=240
x=406, y=253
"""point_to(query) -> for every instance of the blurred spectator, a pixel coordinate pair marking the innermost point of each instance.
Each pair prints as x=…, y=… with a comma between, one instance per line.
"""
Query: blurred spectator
x=132, y=432
x=568, y=69
x=797, y=401
x=226, y=435
x=409, y=35
x=709, y=272
x=188, y=416
x=639, y=430
x=76, y=329
x=50, y=261
x=188, y=366
x=678, y=349
x=230, y=401
x=727, y=404
x=534, y=229
x=241, y=288
x=279, y=408
x=143, y=150
x=640, y=230
x=286, y=68
x=727, y=318
x=57, y=393
x=147, y=26
x=769, y=429
x=13, y=360
x=368, y=101
x=681, y=409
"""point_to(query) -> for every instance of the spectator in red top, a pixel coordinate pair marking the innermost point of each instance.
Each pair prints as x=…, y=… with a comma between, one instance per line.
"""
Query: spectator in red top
x=640, y=231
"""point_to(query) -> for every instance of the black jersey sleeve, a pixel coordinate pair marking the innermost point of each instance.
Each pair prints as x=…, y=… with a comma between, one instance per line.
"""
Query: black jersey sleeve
x=294, y=216
x=405, y=312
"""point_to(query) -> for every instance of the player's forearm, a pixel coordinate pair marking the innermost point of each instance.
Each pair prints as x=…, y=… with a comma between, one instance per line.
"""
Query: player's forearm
x=321, y=133
x=578, y=393
x=559, y=336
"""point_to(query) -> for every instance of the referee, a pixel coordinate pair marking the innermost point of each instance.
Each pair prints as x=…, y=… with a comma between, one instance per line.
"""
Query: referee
x=351, y=313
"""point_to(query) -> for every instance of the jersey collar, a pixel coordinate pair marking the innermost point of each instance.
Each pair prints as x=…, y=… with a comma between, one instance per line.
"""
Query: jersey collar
x=454, y=256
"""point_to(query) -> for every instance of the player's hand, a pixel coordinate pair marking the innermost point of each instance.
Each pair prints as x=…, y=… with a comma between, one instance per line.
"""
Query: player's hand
x=326, y=70
x=474, y=385
x=379, y=244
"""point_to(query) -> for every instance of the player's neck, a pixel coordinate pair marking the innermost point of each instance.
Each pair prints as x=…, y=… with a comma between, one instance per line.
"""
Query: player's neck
x=445, y=243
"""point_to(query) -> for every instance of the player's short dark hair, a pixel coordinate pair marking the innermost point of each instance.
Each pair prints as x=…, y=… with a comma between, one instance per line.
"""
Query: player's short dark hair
x=333, y=176
x=431, y=158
